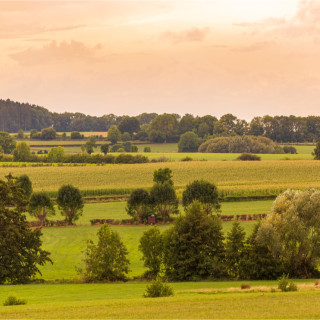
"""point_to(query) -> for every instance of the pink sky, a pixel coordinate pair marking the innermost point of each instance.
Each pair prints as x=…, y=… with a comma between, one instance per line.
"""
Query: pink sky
x=246, y=57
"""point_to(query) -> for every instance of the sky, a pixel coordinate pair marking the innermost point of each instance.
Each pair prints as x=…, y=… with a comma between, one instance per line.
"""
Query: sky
x=245, y=57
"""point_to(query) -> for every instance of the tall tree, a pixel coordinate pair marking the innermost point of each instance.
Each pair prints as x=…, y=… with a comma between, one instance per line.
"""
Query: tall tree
x=41, y=206
x=7, y=142
x=163, y=127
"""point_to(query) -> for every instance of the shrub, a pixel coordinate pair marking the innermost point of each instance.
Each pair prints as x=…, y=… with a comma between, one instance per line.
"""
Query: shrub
x=147, y=149
x=285, y=285
x=158, y=288
x=134, y=148
x=290, y=149
x=13, y=301
x=248, y=157
x=245, y=286
x=187, y=159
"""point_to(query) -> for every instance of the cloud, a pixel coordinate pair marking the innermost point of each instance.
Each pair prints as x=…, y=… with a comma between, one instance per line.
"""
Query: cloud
x=305, y=23
x=189, y=35
x=252, y=47
x=54, y=52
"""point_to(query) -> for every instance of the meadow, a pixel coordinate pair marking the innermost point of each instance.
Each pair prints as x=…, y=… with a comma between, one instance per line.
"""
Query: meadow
x=206, y=300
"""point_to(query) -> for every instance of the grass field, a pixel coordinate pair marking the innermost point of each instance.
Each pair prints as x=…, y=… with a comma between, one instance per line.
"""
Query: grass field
x=235, y=176
x=191, y=301
x=116, y=210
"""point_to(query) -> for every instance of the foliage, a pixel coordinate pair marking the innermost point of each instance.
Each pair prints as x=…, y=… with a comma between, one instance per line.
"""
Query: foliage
x=48, y=133
x=290, y=149
x=22, y=152
x=20, y=250
x=151, y=246
x=134, y=148
x=90, y=145
x=235, y=246
x=7, y=142
x=248, y=157
x=106, y=261
x=41, y=206
x=257, y=262
x=158, y=288
x=189, y=142
x=138, y=205
x=129, y=125
x=104, y=148
x=114, y=134
x=163, y=175
x=70, y=202
x=20, y=134
x=13, y=301
x=193, y=247
x=25, y=183
x=291, y=231
x=76, y=135
x=239, y=144
x=126, y=136
x=164, y=199
x=147, y=149
x=315, y=153
x=56, y=155
x=162, y=128
x=285, y=285
x=203, y=191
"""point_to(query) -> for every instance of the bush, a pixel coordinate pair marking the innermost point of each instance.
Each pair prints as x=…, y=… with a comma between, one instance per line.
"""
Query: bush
x=285, y=285
x=158, y=288
x=187, y=159
x=290, y=149
x=13, y=301
x=134, y=148
x=245, y=286
x=248, y=157
x=147, y=149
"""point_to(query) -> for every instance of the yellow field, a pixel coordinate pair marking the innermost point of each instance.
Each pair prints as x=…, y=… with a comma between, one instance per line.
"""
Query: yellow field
x=227, y=175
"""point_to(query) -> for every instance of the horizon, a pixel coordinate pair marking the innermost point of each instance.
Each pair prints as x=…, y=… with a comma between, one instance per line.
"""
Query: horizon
x=245, y=57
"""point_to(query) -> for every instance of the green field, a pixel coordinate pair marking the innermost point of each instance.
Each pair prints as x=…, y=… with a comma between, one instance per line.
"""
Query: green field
x=191, y=301
x=234, y=176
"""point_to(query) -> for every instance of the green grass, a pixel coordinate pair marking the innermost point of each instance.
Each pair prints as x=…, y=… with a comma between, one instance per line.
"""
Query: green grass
x=116, y=210
x=158, y=147
x=124, y=301
x=67, y=243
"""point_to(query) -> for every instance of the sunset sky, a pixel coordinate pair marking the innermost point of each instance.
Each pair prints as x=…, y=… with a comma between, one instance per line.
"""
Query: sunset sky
x=246, y=57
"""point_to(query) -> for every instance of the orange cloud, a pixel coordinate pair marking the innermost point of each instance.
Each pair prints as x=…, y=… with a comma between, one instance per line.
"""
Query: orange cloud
x=191, y=35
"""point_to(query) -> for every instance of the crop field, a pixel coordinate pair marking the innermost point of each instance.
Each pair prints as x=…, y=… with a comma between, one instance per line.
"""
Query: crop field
x=245, y=177
x=206, y=300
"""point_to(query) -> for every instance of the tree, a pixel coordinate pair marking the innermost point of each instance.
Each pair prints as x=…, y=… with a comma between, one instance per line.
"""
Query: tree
x=187, y=123
x=7, y=142
x=151, y=246
x=163, y=175
x=291, y=231
x=203, y=191
x=126, y=136
x=41, y=206
x=114, y=134
x=48, y=133
x=56, y=155
x=20, y=134
x=316, y=151
x=23, y=182
x=138, y=205
x=21, y=152
x=193, y=247
x=104, y=148
x=164, y=199
x=129, y=124
x=235, y=245
x=90, y=145
x=189, y=142
x=106, y=261
x=70, y=202
x=163, y=127
x=20, y=249
x=34, y=134
x=76, y=135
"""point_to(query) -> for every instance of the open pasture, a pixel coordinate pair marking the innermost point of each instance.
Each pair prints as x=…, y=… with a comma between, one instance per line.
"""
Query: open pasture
x=235, y=176
x=191, y=301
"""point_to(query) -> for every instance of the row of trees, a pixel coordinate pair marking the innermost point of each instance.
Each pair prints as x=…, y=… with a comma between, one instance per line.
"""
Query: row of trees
x=159, y=128
x=195, y=248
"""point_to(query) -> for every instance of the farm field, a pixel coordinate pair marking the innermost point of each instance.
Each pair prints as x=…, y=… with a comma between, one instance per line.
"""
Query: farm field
x=116, y=210
x=234, y=176
x=191, y=301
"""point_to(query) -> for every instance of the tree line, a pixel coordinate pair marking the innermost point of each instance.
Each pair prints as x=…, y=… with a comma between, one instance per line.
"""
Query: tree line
x=159, y=128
